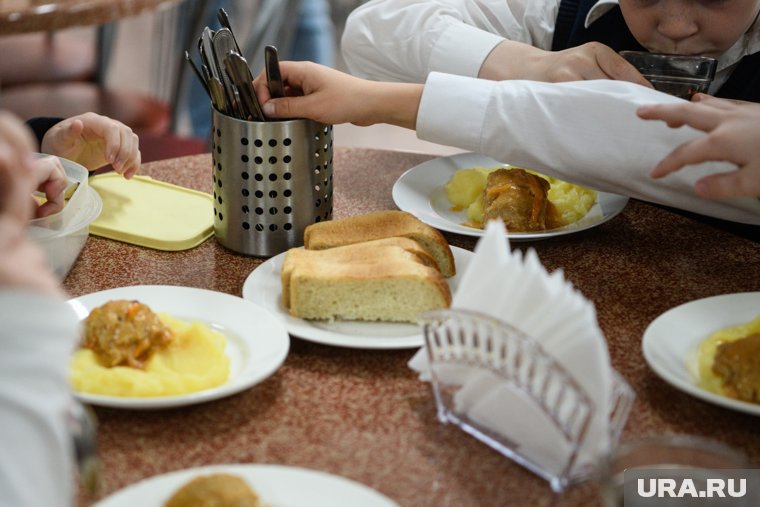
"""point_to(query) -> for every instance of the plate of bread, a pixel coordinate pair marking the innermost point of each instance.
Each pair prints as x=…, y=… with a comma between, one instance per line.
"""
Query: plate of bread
x=361, y=281
x=709, y=348
x=247, y=485
x=460, y=193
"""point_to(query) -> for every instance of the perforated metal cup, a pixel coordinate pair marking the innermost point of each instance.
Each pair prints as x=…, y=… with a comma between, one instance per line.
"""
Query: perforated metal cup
x=270, y=180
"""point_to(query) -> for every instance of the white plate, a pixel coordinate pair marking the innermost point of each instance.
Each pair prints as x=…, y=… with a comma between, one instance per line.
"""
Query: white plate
x=671, y=340
x=257, y=342
x=263, y=287
x=276, y=486
x=421, y=192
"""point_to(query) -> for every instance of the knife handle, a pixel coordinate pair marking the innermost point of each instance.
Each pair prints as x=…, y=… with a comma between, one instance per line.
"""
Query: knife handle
x=274, y=77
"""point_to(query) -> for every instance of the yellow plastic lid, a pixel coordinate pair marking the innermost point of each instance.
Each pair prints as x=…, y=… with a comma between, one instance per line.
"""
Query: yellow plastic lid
x=151, y=213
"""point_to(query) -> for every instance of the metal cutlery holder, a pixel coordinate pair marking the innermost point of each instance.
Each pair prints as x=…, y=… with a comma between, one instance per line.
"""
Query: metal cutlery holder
x=459, y=341
x=270, y=180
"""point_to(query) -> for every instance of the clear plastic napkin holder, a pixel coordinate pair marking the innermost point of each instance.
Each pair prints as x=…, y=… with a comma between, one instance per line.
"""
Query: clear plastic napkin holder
x=463, y=338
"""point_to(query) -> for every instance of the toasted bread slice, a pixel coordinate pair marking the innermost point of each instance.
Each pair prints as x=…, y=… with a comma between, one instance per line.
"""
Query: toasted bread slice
x=378, y=225
x=366, y=253
x=394, y=288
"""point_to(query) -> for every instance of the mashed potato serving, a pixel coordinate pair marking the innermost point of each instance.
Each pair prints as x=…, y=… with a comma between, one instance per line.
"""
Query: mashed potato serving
x=467, y=190
x=193, y=360
x=728, y=362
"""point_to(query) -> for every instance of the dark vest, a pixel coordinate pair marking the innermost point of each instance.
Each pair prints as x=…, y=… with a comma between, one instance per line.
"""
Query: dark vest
x=611, y=30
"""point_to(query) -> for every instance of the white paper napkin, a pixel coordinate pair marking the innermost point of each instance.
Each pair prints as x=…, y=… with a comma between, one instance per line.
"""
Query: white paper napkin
x=516, y=289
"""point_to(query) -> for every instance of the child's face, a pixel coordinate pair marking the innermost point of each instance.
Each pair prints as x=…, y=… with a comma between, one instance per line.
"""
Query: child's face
x=689, y=27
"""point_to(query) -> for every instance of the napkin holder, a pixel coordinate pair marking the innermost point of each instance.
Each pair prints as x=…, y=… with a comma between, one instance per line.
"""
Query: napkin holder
x=463, y=338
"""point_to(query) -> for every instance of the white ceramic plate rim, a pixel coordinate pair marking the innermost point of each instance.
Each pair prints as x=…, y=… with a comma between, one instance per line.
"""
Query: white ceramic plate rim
x=257, y=342
x=276, y=486
x=263, y=286
x=672, y=338
x=420, y=191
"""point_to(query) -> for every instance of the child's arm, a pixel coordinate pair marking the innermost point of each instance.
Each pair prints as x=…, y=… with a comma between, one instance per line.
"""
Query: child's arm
x=329, y=96
x=404, y=41
x=22, y=266
x=93, y=141
x=21, y=173
x=513, y=60
x=37, y=336
x=733, y=135
x=585, y=132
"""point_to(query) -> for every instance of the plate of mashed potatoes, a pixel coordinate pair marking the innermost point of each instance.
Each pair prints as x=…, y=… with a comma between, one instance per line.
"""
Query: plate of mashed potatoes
x=247, y=486
x=710, y=348
x=459, y=193
x=151, y=347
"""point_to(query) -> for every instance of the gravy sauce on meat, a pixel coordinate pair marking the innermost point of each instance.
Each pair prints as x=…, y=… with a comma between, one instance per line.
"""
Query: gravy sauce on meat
x=124, y=333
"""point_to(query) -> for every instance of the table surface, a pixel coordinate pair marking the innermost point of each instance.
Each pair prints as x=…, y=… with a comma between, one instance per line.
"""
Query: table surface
x=363, y=414
x=22, y=16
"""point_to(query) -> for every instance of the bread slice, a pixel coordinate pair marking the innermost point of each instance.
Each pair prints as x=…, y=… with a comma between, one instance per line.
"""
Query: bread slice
x=366, y=252
x=377, y=225
x=388, y=284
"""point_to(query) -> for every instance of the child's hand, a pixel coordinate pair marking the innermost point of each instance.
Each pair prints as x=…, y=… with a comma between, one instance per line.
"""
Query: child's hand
x=93, y=141
x=21, y=173
x=50, y=179
x=313, y=91
x=732, y=135
x=329, y=96
x=16, y=167
x=593, y=60
x=22, y=264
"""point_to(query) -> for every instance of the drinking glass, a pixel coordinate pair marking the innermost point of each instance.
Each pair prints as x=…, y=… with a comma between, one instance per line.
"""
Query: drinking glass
x=678, y=75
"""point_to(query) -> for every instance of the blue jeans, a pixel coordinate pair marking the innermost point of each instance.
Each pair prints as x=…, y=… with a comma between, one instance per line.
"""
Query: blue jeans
x=315, y=34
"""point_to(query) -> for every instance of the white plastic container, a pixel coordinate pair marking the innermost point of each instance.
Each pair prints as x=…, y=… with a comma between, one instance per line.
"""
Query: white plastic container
x=63, y=235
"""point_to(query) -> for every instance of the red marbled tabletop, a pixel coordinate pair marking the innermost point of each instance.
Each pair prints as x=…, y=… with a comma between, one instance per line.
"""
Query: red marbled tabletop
x=363, y=414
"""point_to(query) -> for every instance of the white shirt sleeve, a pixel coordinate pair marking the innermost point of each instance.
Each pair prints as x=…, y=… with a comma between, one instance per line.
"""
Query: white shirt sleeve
x=586, y=132
x=404, y=40
x=37, y=337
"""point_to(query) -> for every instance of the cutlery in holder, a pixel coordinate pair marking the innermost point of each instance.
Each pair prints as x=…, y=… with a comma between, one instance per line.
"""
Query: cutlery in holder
x=270, y=180
x=478, y=362
x=225, y=74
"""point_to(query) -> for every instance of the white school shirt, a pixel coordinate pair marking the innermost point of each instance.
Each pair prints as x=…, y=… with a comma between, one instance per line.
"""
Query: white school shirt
x=553, y=128
x=37, y=337
x=405, y=40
